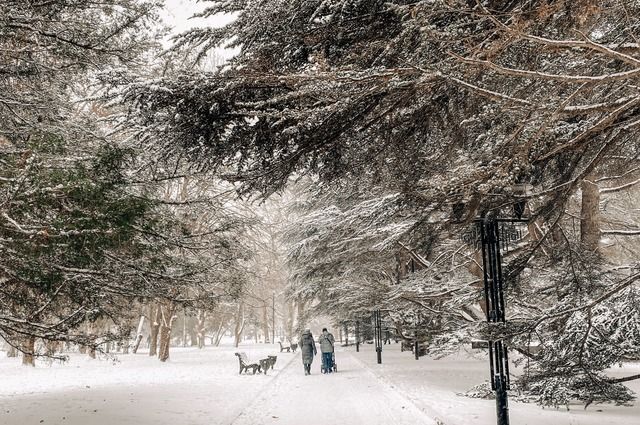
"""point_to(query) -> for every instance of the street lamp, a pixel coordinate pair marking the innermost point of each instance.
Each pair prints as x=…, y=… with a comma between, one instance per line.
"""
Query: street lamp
x=493, y=233
x=377, y=333
x=273, y=317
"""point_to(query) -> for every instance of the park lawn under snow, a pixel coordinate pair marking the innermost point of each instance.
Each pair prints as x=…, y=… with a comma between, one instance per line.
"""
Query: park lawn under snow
x=433, y=386
x=193, y=387
x=203, y=387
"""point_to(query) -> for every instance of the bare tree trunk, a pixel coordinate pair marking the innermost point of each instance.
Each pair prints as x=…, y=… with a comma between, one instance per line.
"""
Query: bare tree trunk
x=300, y=317
x=28, y=351
x=218, y=335
x=136, y=344
x=12, y=351
x=52, y=347
x=165, y=331
x=202, y=317
x=193, y=333
x=239, y=327
x=265, y=322
x=291, y=314
x=590, y=215
x=184, y=327
x=155, y=327
x=346, y=334
x=91, y=349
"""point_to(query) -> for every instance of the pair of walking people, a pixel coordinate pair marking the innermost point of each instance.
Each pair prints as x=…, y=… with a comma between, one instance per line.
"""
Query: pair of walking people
x=309, y=350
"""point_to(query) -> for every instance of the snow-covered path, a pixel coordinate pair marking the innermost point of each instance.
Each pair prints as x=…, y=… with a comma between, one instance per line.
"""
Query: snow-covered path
x=352, y=396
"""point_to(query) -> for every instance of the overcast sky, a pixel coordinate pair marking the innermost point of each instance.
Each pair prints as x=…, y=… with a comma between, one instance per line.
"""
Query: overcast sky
x=178, y=12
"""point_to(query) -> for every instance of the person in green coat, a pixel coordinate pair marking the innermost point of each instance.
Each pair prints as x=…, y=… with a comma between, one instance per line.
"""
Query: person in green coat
x=308, y=349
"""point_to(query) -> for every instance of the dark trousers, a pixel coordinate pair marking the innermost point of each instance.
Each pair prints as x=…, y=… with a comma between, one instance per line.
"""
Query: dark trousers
x=327, y=360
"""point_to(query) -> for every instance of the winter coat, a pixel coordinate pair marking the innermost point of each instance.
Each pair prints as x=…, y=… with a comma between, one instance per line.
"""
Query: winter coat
x=307, y=348
x=326, y=343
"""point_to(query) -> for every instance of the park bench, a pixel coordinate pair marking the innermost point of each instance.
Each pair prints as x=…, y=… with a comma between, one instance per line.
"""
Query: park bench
x=246, y=364
x=262, y=365
x=292, y=347
x=272, y=361
x=267, y=363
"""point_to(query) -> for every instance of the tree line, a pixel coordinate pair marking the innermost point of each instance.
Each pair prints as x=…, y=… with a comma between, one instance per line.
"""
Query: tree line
x=388, y=126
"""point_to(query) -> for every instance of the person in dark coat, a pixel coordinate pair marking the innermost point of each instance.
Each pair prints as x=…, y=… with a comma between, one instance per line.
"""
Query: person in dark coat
x=308, y=349
x=326, y=341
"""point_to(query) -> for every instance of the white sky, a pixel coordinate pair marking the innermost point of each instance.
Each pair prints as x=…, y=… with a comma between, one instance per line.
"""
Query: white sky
x=178, y=12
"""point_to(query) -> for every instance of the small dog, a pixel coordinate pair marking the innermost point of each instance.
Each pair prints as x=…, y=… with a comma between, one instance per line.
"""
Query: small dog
x=294, y=347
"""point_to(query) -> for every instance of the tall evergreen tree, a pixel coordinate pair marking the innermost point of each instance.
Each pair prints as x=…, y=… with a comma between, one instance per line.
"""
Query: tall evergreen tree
x=455, y=108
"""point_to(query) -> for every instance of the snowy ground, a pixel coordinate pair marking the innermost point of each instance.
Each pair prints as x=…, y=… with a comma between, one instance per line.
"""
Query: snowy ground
x=203, y=387
x=194, y=387
x=432, y=386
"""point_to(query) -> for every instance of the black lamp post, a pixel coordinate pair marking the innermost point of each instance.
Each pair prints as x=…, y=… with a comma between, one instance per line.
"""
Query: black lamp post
x=377, y=334
x=273, y=317
x=416, y=345
x=357, y=336
x=495, y=235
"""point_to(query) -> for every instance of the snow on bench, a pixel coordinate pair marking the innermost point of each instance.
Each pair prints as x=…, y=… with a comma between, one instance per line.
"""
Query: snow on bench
x=261, y=366
x=291, y=347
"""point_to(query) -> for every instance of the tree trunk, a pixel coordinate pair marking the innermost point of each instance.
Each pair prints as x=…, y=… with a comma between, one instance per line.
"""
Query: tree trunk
x=154, y=314
x=136, y=344
x=300, y=317
x=193, y=334
x=201, y=328
x=219, y=333
x=52, y=347
x=12, y=351
x=28, y=351
x=590, y=215
x=346, y=334
x=91, y=349
x=291, y=314
x=265, y=322
x=165, y=331
x=237, y=332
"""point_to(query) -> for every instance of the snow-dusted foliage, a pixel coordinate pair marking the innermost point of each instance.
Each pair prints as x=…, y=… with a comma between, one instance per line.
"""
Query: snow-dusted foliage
x=414, y=118
x=89, y=227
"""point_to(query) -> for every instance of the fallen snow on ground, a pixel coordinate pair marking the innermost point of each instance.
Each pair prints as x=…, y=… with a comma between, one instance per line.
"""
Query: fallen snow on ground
x=433, y=385
x=194, y=387
x=203, y=387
